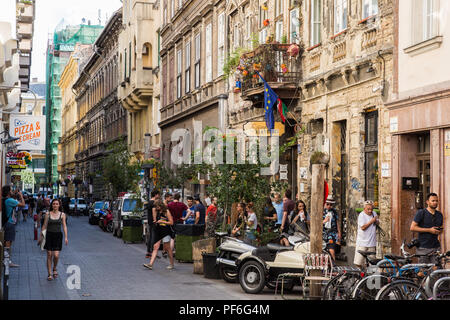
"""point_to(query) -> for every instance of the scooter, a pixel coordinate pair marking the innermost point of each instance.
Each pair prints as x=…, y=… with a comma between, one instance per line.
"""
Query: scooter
x=106, y=220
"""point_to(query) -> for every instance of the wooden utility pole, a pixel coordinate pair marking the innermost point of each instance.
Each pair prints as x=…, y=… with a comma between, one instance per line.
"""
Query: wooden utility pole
x=317, y=200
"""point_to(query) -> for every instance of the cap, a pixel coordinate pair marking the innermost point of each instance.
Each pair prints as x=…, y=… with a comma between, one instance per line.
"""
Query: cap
x=330, y=199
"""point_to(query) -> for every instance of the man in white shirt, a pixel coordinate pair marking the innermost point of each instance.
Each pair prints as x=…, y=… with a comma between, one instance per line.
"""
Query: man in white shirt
x=366, y=239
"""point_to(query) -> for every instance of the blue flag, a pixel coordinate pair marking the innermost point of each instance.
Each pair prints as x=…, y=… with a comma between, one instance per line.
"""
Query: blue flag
x=270, y=100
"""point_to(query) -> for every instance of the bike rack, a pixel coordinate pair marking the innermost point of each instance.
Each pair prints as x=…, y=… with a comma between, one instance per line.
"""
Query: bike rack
x=436, y=285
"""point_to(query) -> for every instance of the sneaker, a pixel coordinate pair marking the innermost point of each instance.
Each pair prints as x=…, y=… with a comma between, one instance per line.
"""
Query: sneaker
x=170, y=267
x=13, y=265
x=148, y=266
x=164, y=254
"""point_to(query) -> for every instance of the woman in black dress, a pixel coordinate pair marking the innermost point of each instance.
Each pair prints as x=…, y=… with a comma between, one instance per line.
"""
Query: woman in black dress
x=162, y=231
x=53, y=221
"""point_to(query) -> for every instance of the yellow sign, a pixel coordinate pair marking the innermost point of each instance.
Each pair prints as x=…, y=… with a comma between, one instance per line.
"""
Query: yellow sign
x=447, y=149
x=259, y=129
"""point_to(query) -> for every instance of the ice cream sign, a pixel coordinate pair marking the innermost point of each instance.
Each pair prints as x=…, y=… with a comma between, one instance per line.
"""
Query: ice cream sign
x=30, y=130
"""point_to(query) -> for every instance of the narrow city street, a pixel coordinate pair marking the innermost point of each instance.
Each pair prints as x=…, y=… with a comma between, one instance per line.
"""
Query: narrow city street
x=110, y=270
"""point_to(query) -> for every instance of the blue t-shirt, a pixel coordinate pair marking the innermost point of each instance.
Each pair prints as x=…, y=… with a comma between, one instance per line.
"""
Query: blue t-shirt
x=200, y=208
x=191, y=219
x=10, y=204
x=279, y=208
x=425, y=219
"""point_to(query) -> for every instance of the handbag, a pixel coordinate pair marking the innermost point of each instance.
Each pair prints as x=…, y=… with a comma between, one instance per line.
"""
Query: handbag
x=44, y=235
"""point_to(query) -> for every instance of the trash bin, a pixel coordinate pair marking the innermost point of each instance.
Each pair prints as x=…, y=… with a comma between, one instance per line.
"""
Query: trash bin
x=198, y=248
x=132, y=230
x=186, y=234
x=210, y=267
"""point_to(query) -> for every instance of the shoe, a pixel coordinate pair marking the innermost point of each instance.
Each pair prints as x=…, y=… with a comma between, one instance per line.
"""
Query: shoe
x=148, y=266
x=13, y=265
x=164, y=254
x=170, y=267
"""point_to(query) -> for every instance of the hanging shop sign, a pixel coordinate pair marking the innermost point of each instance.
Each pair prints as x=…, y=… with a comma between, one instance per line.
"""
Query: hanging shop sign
x=259, y=129
x=18, y=160
x=30, y=130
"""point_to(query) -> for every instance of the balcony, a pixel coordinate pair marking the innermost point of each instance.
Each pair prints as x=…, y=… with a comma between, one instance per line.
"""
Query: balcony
x=281, y=71
x=25, y=45
x=25, y=12
x=25, y=30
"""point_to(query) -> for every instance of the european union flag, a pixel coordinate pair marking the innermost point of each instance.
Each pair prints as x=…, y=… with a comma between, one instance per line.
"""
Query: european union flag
x=270, y=99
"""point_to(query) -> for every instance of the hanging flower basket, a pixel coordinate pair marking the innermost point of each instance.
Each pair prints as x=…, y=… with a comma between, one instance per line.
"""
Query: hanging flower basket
x=245, y=73
x=293, y=50
x=284, y=68
x=266, y=22
x=257, y=66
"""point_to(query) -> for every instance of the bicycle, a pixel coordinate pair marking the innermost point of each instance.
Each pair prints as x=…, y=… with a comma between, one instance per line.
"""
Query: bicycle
x=415, y=280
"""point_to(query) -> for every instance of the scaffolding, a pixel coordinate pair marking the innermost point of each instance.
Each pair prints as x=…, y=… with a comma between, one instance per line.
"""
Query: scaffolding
x=59, y=48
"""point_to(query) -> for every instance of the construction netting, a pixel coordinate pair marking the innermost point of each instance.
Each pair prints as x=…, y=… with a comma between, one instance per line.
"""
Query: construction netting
x=59, y=49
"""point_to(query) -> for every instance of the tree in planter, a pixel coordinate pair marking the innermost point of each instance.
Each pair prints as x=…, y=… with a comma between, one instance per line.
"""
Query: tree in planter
x=120, y=172
x=27, y=177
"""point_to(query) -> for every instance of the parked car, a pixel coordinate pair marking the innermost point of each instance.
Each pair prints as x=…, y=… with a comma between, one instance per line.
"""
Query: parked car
x=94, y=210
x=82, y=206
x=123, y=208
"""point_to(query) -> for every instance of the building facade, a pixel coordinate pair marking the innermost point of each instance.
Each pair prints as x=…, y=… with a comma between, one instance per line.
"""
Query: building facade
x=100, y=116
x=139, y=75
x=59, y=48
x=347, y=78
x=419, y=114
x=193, y=89
x=68, y=142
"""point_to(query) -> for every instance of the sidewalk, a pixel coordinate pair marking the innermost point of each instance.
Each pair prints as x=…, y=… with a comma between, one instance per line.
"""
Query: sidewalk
x=110, y=270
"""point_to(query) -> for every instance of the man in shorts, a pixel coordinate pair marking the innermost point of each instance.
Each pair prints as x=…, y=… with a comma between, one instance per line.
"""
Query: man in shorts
x=10, y=220
x=366, y=239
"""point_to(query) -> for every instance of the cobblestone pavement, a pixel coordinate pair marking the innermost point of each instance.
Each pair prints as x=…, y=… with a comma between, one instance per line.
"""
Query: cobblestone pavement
x=110, y=270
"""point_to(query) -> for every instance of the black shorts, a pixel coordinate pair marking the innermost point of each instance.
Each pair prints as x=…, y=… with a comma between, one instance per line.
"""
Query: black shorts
x=10, y=232
x=334, y=246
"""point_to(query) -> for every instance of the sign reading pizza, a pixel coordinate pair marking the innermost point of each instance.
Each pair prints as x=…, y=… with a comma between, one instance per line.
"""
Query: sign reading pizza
x=18, y=160
x=30, y=130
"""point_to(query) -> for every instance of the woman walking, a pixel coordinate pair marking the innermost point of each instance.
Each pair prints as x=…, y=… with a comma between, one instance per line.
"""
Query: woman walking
x=53, y=221
x=162, y=232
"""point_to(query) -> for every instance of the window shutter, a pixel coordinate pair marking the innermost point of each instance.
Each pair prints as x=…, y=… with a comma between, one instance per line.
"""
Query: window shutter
x=208, y=44
x=417, y=26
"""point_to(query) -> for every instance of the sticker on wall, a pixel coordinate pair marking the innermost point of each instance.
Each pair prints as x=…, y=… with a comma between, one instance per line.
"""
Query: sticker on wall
x=303, y=173
x=385, y=172
x=447, y=149
x=447, y=135
x=283, y=175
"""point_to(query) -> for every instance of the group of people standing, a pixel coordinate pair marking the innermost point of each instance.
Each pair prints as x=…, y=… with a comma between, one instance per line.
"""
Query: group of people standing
x=163, y=214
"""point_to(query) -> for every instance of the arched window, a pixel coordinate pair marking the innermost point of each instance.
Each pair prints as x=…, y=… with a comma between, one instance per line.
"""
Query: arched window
x=147, y=56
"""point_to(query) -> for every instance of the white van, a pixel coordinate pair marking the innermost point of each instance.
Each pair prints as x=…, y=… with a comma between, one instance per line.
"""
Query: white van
x=122, y=208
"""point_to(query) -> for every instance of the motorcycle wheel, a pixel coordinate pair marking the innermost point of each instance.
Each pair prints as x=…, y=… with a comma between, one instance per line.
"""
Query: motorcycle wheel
x=252, y=277
x=109, y=227
x=228, y=275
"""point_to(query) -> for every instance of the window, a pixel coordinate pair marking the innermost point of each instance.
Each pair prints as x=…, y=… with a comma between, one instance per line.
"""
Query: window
x=248, y=31
x=371, y=156
x=263, y=15
x=425, y=22
x=221, y=44
x=187, y=72
x=180, y=4
x=197, y=60
x=129, y=62
x=147, y=55
x=370, y=8
x=208, y=44
x=125, y=63
x=340, y=15
x=172, y=8
x=279, y=31
x=179, y=71
x=165, y=13
x=236, y=34
x=294, y=26
x=278, y=7
x=316, y=21
x=263, y=36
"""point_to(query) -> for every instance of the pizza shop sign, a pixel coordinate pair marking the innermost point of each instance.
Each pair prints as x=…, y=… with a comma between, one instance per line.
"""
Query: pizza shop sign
x=18, y=160
x=30, y=130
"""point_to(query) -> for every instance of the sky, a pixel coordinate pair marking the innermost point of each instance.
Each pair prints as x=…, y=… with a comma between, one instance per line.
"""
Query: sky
x=49, y=13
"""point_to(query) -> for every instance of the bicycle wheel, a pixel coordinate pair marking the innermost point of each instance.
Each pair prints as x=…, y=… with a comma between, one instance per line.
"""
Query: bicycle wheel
x=368, y=287
x=341, y=286
x=401, y=290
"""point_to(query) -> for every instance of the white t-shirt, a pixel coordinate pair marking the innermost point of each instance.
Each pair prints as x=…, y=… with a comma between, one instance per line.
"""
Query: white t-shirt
x=252, y=217
x=368, y=237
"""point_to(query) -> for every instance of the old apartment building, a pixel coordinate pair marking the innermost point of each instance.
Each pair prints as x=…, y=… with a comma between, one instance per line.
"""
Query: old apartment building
x=100, y=116
x=139, y=75
x=347, y=78
x=194, y=43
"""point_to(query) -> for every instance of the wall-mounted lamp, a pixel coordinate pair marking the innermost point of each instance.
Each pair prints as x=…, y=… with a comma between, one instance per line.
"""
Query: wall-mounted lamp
x=8, y=139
